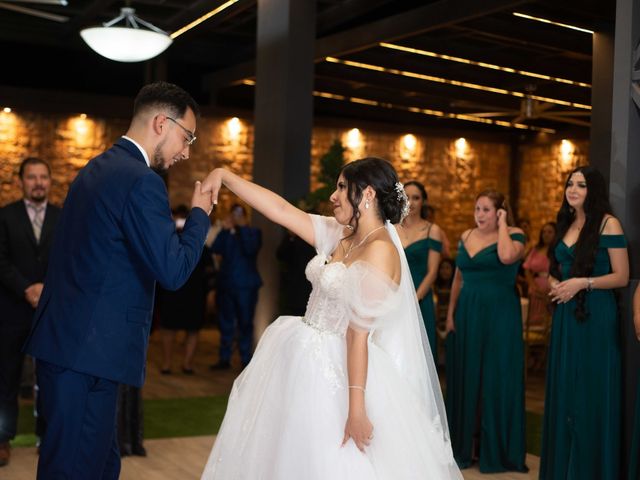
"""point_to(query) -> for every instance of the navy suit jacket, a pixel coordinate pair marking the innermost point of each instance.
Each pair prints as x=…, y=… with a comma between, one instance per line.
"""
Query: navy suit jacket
x=239, y=252
x=114, y=239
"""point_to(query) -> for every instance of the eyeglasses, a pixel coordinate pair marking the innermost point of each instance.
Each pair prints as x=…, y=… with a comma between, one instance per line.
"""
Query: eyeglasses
x=190, y=136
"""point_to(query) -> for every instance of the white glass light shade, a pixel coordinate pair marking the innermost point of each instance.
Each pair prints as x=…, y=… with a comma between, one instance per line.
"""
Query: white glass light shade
x=124, y=44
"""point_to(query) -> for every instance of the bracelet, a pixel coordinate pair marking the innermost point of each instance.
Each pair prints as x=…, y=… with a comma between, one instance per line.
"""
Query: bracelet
x=358, y=387
x=589, y=284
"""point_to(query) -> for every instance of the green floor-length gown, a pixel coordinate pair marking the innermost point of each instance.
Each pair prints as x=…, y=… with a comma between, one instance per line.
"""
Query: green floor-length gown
x=418, y=259
x=485, y=365
x=581, y=428
x=634, y=459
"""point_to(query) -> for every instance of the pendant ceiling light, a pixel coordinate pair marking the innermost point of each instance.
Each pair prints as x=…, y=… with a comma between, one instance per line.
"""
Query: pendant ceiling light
x=128, y=43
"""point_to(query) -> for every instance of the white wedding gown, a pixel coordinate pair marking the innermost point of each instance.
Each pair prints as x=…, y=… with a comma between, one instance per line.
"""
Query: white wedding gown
x=287, y=410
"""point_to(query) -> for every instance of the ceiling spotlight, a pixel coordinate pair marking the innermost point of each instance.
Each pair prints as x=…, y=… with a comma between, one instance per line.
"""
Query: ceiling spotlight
x=128, y=43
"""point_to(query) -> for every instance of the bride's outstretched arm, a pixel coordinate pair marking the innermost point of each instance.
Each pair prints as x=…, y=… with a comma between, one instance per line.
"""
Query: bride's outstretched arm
x=358, y=426
x=268, y=203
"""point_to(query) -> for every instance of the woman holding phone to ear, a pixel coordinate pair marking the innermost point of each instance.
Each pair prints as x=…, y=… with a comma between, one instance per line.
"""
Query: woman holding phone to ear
x=485, y=356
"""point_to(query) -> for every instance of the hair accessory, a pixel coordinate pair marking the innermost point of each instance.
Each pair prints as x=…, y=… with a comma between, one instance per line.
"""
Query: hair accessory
x=402, y=199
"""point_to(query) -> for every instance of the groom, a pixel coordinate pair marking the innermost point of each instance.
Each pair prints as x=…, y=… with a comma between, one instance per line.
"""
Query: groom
x=115, y=238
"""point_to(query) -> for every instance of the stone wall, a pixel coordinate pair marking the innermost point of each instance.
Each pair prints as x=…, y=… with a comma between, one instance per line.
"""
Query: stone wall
x=453, y=169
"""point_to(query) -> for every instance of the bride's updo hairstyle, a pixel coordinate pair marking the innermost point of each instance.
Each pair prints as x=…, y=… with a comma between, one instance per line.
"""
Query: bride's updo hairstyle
x=380, y=175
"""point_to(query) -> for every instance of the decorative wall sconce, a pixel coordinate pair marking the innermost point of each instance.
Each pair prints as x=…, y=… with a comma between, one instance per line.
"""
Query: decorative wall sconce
x=354, y=140
x=461, y=147
x=566, y=153
x=234, y=128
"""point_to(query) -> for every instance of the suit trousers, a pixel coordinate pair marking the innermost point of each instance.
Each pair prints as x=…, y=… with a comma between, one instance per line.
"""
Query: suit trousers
x=12, y=338
x=80, y=442
x=236, y=306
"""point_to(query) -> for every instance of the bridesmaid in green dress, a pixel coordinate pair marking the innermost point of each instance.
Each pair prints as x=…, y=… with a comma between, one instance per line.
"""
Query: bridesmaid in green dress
x=422, y=242
x=485, y=351
x=581, y=429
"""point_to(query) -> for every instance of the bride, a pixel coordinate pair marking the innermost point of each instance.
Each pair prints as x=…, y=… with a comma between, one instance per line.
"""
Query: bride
x=349, y=391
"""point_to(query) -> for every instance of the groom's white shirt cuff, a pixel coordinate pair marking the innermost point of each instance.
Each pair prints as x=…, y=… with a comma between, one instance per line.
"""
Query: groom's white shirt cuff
x=144, y=153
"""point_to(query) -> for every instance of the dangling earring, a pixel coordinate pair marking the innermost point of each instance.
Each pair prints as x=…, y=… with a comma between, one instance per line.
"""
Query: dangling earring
x=366, y=204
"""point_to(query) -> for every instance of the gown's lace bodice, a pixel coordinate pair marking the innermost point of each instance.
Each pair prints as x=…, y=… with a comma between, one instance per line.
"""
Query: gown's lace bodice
x=327, y=310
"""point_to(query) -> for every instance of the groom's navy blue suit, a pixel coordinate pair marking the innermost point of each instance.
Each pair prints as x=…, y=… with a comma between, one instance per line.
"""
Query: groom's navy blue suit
x=114, y=240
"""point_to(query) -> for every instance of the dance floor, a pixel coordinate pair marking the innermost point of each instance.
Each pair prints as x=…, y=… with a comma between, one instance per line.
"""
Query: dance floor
x=184, y=458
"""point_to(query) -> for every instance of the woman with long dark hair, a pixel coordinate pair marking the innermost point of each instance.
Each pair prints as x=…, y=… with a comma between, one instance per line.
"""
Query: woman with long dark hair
x=485, y=351
x=422, y=243
x=348, y=391
x=581, y=430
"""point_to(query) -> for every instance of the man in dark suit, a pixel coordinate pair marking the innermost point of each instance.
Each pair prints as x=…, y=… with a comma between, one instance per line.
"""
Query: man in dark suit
x=238, y=245
x=26, y=230
x=115, y=239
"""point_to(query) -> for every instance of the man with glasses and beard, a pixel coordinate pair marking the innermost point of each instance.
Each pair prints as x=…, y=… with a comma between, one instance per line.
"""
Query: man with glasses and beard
x=115, y=239
x=26, y=230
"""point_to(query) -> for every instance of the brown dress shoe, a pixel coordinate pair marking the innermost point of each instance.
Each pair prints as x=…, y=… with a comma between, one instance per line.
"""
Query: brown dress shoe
x=5, y=453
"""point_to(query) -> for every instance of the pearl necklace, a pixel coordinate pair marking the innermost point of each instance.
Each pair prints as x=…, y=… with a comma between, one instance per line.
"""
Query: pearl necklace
x=353, y=247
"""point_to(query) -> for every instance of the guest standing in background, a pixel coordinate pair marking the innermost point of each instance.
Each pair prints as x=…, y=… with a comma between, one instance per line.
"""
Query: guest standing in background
x=536, y=268
x=26, y=230
x=485, y=356
x=185, y=308
x=422, y=245
x=581, y=429
x=237, y=245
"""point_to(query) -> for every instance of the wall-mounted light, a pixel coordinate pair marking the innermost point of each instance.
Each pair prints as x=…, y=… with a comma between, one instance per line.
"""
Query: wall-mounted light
x=354, y=139
x=410, y=142
x=6, y=109
x=461, y=146
x=567, y=151
x=234, y=126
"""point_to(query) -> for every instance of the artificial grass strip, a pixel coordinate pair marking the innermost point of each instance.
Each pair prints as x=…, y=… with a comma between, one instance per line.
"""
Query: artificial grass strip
x=191, y=417
x=534, y=433
x=183, y=417
x=163, y=418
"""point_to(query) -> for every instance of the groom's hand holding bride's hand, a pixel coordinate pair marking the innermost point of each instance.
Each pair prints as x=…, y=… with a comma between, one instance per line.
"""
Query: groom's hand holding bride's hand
x=213, y=183
x=202, y=199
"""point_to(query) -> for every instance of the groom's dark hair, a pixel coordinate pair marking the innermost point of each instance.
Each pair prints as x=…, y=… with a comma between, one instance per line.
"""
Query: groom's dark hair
x=165, y=96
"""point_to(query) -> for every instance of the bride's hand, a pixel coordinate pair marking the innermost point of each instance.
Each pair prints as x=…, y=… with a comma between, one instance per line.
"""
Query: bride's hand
x=360, y=429
x=213, y=184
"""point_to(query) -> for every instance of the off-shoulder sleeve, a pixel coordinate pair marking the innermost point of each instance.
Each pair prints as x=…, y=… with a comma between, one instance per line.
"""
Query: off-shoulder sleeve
x=518, y=237
x=613, y=241
x=371, y=295
x=435, y=245
x=327, y=233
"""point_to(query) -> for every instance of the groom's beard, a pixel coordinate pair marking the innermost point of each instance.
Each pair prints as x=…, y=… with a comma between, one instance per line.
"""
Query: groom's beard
x=157, y=162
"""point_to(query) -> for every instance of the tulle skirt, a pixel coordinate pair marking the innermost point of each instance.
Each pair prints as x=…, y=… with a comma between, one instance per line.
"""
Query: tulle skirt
x=287, y=411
